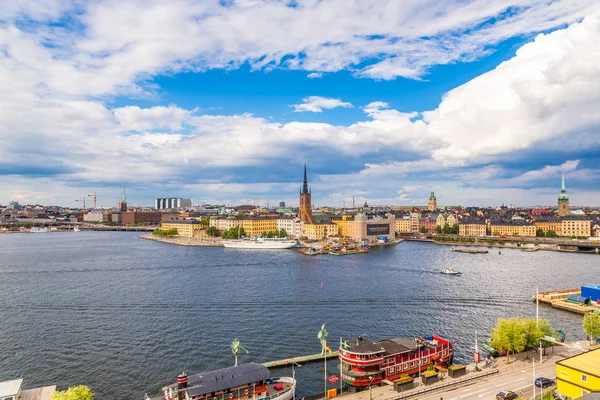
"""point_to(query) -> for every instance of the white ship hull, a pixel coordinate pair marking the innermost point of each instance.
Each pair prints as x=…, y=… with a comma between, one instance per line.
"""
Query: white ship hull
x=259, y=244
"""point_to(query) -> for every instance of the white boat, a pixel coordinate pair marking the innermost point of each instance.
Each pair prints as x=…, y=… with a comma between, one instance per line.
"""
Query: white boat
x=36, y=229
x=259, y=243
x=76, y=229
x=450, y=271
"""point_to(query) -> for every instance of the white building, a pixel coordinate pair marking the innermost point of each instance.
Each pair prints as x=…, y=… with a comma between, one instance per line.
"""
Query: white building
x=293, y=226
x=171, y=203
x=10, y=390
x=223, y=224
x=92, y=216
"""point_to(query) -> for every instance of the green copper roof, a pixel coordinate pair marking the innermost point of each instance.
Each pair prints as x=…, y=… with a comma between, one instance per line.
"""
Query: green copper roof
x=563, y=197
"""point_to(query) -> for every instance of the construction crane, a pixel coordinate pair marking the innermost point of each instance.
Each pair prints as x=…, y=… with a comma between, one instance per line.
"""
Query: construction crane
x=95, y=196
x=83, y=199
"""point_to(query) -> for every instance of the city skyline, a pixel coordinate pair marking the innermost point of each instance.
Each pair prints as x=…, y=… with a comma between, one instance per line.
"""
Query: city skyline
x=223, y=102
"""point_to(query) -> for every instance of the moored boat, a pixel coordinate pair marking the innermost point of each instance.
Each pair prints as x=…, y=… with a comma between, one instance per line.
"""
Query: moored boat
x=39, y=230
x=366, y=363
x=259, y=243
x=450, y=271
x=349, y=251
x=245, y=381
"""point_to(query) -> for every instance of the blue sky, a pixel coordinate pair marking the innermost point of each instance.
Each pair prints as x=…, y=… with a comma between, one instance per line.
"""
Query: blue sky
x=484, y=102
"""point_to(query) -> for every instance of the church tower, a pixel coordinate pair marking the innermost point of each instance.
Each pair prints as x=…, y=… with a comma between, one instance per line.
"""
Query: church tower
x=123, y=202
x=563, y=199
x=432, y=203
x=305, y=210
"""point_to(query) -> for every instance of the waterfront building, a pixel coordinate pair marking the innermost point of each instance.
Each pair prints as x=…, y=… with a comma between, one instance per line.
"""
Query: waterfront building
x=576, y=225
x=140, y=217
x=549, y=224
x=255, y=226
x=319, y=231
x=451, y=220
x=563, y=199
x=439, y=219
x=403, y=225
x=472, y=226
x=185, y=227
x=123, y=202
x=293, y=226
x=415, y=218
x=578, y=375
x=94, y=216
x=365, y=363
x=223, y=224
x=432, y=202
x=429, y=222
x=170, y=203
x=512, y=228
x=365, y=228
x=305, y=209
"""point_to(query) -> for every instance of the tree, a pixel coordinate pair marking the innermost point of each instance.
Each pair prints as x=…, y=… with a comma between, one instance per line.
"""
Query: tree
x=423, y=229
x=81, y=392
x=551, y=234
x=540, y=233
x=27, y=225
x=508, y=335
x=535, y=331
x=591, y=325
x=234, y=233
x=446, y=228
x=165, y=232
x=454, y=229
x=438, y=229
x=236, y=347
x=283, y=233
x=212, y=231
x=205, y=221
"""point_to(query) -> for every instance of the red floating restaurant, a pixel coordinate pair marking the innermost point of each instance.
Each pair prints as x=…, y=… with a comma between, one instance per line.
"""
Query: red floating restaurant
x=367, y=363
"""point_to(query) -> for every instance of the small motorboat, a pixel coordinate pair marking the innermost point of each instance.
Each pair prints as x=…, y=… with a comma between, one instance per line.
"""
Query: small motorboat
x=450, y=271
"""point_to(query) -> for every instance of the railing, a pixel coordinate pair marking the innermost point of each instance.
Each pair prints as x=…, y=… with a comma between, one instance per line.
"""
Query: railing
x=444, y=386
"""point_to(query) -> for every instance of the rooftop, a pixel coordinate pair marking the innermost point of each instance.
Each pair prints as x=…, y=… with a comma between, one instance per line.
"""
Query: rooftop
x=586, y=362
x=10, y=388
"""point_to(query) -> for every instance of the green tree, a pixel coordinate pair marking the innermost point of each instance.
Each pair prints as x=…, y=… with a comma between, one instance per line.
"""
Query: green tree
x=212, y=231
x=446, y=228
x=234, y=233
x=27, y=225
x=283, y=233
x=236, y=347
x=551, y=234
x=535, y=331
x=438, y=229
x=81, y=392
x=509, y=335
x=205, y=221
x=165, y=232
x=540, y=233
x=454, y=229
x=423, y=229
x=591, y=325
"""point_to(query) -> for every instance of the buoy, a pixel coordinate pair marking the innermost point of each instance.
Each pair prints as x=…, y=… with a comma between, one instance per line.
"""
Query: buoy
x=321, y=285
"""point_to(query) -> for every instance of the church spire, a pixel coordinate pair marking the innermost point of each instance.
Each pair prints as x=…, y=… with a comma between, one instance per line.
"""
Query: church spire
x=562, y=188
x=305, y=185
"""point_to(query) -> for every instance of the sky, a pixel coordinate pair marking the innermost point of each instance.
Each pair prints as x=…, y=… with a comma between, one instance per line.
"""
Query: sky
x=483, y=102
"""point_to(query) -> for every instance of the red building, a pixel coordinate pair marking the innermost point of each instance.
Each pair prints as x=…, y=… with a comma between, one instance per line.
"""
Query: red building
x=367, y=363
x=133, y=217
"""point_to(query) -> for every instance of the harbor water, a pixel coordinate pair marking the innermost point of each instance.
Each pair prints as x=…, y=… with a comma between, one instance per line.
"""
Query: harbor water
x=125, y=315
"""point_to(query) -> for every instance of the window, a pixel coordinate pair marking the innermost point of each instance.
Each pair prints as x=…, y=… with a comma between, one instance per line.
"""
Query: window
x=583, y=378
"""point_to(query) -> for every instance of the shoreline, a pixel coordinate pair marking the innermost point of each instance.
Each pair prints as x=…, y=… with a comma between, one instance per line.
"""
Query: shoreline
x=545, y=247
x=182, y=241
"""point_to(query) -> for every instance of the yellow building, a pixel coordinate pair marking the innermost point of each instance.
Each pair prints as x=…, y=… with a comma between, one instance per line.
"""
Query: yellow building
x=472, y=227
x=255, y=226
x=345, y=225
x=451, y=220
x=579, y=375
x=320, y=231
x=403, y=225
x=575, y=225
x=185, y=227
x=549, y=224
x=512, y=229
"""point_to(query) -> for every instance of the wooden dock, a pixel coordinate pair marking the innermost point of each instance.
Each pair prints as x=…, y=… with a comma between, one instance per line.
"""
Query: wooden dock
x=286, y=362
x=558, y=299
x=470, y=251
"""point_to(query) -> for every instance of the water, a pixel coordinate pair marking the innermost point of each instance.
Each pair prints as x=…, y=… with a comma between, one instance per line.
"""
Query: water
x=125, y=315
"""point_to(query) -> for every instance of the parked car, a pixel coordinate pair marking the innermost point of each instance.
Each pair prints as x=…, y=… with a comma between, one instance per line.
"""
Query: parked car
x=507, y=395
x=543, y=382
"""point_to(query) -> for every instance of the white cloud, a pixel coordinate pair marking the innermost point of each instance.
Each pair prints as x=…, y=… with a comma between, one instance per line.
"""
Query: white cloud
x=314, y=75
x=137, y=119
x=318, y=104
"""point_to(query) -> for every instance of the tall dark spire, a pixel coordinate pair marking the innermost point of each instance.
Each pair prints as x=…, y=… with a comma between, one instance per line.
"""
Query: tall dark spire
x=305, y=185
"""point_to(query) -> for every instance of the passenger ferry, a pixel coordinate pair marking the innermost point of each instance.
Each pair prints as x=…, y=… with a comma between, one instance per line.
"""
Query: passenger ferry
x=250, y=381
x=366, y=363
x=259, y=243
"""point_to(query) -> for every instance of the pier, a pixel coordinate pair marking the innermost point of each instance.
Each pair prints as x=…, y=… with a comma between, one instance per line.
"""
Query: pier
x=558, y=299
x=286, y=362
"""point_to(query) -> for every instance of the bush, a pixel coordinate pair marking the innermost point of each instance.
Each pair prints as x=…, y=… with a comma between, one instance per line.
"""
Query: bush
x=81, y=392
x=165, y=232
